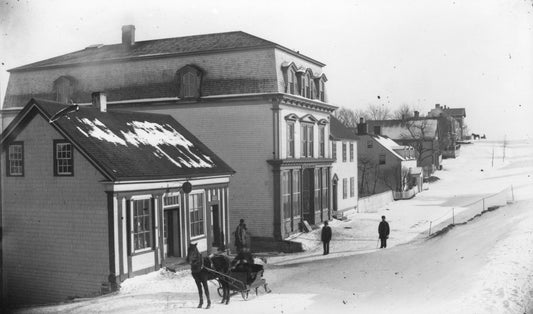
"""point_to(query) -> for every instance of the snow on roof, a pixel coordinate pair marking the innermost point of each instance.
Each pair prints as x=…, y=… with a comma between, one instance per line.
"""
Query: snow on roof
x=150, y=134
x=132, y=145
x=409, y=129
x=391, y=145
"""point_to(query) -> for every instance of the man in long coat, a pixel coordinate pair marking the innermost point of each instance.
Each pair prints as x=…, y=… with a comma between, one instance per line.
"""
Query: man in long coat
x=326, y=237
x=383, y=231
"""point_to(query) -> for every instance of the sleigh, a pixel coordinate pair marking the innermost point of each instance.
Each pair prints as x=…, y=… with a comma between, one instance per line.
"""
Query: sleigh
x=242, y=280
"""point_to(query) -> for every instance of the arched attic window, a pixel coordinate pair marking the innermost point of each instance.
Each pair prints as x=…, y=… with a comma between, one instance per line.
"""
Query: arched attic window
x=189, y=82
x=64, y=89
x=289, y=76
x=320, y=84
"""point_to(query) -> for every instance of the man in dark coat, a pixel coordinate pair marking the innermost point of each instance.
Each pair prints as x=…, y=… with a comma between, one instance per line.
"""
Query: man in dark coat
x=240, y=236
x=326, y=237
x=383, y=231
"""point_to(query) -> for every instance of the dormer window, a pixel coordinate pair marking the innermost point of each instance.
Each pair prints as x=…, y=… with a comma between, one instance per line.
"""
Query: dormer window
x=64, y=89
x=320, y=84
x=189, y=82
x=292, y=81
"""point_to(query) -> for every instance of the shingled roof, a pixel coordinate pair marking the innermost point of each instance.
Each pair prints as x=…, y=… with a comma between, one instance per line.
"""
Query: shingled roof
x=217, y=42
x=339, y=131
x=129, y=145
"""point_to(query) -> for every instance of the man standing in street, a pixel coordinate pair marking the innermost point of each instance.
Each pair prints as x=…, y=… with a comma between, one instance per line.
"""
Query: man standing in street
x=383, y=231
x=326, y=237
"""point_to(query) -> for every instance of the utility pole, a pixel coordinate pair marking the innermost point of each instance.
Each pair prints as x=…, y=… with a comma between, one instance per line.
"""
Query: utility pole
x=492, y=156
x=504, y=145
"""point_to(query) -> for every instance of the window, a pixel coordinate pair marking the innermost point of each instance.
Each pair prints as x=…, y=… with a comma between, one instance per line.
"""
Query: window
x=286, y=193
x=322, y=149
x=343, y=152
x=344, y=188
x=15, y=159
x=196, y=214
x=325, y=188
x=381, y=159
x=292, y=82
x=63, y=158
x=369, y=144
x=142, y=224
x=296, y=193
x=307, y=140
x=351, y=152
x=321, y=92
x=290, y=139
x=318, y=188
x=377, y=129
x=189, y=79
x=334, y=150
x=352, y=187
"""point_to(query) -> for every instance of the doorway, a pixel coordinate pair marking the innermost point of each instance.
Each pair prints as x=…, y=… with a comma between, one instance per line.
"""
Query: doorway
x=216, y=235
x=171, y=233
x=334, y=193
x=308, y=195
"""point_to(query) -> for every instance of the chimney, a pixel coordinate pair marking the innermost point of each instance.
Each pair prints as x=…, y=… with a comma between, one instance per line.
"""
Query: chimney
x=99, y=100
x=417, y=114
x=361, y=127
x=128, y=35
x=437, y=106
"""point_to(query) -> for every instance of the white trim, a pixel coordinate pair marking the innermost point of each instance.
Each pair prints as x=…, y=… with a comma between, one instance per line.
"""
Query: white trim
x=124, y=186
x=125, y=236
x=140, y=197
x=116, y=216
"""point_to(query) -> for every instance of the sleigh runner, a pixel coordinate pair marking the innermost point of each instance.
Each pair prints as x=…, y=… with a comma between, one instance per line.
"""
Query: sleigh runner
x=241, y=281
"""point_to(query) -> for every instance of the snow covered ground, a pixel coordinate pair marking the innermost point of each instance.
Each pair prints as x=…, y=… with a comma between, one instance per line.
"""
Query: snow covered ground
x=483, y=266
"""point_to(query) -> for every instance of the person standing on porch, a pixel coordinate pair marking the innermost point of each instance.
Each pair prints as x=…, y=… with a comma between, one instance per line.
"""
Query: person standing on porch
x=240, y=236
x=326, y=237
x=383, y=231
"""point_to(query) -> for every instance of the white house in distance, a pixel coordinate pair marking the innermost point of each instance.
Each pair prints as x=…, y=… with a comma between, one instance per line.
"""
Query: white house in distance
x=344, y=151
x=385, y=165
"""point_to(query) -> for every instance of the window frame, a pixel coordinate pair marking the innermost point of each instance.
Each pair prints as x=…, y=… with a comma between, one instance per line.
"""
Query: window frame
x=382, y=159
x=351, y=152
x=189, y=82
x=369, y=144
x=334, y=150
x=150, y=231
x=344, y=188
x=344, y=152
x=291, y=131
x=204, y=217
x=307, y=140
x=321, y=141
x=55, y=159
x=352, y=186
x=9, y=160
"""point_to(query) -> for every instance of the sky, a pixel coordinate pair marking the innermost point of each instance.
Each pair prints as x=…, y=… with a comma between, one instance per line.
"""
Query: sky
x=475, y=54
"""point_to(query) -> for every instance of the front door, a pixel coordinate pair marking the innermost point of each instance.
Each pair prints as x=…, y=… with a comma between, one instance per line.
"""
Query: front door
x=171, y=234
x=217, y=232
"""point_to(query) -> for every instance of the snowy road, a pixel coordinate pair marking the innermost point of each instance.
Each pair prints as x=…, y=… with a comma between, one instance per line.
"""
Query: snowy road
x=484, y=266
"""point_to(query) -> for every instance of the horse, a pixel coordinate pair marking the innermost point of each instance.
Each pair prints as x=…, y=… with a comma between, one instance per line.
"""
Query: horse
x=221, y=263
x=200, y=271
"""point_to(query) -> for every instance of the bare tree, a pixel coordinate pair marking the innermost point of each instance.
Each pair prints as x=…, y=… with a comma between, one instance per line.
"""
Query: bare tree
x=360, y=113
x=404, y=112
x=347, y=117
x=420, y=137
x=378, y=112
x=367, y=175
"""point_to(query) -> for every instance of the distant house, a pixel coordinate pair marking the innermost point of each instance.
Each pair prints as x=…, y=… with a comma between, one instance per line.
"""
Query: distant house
x=96, y=197
x=261, y=107
x=385, y=165
x=344, y=151
x=419, y=132
x=451, y=122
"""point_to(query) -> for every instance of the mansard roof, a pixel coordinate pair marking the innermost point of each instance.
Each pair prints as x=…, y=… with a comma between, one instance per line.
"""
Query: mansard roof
x=160, y=48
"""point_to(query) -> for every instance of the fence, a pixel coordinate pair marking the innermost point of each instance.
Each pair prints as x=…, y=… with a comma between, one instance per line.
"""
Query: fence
x=464, y=213
x=371, y=204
